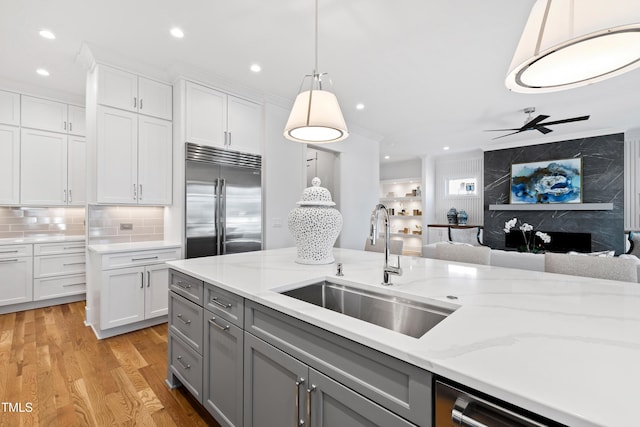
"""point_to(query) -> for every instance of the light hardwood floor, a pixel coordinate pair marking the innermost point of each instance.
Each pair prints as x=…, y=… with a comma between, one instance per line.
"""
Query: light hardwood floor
x=51, y=362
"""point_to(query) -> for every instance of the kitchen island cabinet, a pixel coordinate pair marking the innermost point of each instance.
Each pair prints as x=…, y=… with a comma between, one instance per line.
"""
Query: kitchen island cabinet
x=513, y=337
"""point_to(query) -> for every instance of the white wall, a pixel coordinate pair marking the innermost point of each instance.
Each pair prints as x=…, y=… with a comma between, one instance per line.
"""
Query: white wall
x=402, y=169
x=359, y=175
x=284, y=177
x=632, y=179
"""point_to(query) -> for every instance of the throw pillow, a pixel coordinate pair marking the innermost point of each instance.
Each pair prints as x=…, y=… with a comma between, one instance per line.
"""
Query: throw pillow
x=634, y=239
x=601, y=253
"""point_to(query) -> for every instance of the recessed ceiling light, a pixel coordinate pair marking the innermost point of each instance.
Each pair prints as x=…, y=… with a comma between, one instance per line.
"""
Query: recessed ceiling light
x=386, y=157
x=360, y=106
x=47, y=34
x=255, y=68
x=177, y=33
x=42, y=72
x=445, y=148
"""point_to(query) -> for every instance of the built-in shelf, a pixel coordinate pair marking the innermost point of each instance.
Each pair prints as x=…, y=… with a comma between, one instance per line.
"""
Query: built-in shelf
x=405, y=234
x=406, y=216
x=553, y=207
x=401, y=199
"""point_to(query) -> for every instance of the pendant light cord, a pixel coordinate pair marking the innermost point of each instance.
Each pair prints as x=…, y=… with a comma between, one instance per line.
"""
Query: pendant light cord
x=315, y=71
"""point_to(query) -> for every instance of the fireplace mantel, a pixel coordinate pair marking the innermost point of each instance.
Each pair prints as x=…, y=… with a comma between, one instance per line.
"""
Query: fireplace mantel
x=552, y=207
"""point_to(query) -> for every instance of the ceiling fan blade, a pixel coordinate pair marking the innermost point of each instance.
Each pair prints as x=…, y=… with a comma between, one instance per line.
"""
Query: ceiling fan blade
x=532, y=123
x=543, y=129
x=502, y=136
x=573, y=119
x=500, y=130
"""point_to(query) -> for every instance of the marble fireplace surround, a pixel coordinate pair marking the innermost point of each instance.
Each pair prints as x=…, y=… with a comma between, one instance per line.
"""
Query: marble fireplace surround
x=602, y=183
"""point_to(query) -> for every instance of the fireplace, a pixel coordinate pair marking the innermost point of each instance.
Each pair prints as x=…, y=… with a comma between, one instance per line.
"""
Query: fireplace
x=561, y=241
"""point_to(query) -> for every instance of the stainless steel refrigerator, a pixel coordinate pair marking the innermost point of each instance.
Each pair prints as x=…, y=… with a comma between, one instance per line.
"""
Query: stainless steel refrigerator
x=223, y=201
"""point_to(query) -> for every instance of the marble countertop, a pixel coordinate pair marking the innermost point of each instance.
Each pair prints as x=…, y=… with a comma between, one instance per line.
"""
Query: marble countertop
x=564, y=347
x=132, y=246
x=48, y=239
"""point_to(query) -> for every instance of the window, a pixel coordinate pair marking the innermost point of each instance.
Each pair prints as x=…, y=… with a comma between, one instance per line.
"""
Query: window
x=462, y=187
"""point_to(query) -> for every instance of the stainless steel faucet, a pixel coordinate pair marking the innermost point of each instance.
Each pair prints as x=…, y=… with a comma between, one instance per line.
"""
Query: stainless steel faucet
x=373, y=235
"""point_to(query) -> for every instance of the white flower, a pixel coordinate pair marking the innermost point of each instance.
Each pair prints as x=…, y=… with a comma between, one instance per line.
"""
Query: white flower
x=526, y=227
x=543, y=236
x=510, y=224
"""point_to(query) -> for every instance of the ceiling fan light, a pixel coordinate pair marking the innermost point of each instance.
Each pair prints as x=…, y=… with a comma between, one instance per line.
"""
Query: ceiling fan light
x=568, y=43
x=316, y=118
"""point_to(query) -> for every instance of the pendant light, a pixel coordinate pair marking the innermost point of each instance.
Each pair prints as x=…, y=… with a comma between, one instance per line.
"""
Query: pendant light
x=316, y=117
x=569, y=43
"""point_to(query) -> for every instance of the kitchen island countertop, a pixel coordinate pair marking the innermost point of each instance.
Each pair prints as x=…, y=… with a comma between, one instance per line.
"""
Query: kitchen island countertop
x=564, y=347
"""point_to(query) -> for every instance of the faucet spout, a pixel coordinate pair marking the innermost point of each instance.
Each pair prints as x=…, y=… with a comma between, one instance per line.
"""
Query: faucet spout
x=373, y=235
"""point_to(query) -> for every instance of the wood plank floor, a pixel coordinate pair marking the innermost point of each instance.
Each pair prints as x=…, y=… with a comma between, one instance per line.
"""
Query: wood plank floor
x=52, y=363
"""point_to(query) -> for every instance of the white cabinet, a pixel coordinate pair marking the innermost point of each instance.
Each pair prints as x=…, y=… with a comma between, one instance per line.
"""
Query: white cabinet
x=129, y=287
x=134, y=158
x=52, y=169
x=43, y=168
x=133, y=294
x=16, y=272
x=38, y=113
x=127, y=91
x=9, y=108
x=9, y=165
x=219, y=120
x=58, y=270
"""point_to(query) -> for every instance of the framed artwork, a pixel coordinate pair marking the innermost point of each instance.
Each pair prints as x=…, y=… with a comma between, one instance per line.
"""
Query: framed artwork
x=554, y=181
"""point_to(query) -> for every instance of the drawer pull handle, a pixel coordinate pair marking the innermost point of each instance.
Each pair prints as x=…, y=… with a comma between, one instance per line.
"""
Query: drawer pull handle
x=73, y=284
x=73, y=247
x=222, y=328
x=223, y=305
x=73, y=263
x=145, y=258
x=179, y=284
x=187, y=366
x=9, y=252
x=9, y=260
x=309, y=391
x=186, y=322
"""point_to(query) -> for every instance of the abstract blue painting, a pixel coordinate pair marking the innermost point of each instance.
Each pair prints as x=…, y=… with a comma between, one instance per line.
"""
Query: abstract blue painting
x=556, y=181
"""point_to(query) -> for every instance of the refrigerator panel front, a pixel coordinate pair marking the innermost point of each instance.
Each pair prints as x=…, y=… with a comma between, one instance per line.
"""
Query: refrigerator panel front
x=241, y=209
x=201, y=202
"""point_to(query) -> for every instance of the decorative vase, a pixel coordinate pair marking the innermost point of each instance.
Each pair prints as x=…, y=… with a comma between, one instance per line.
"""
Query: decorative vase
x=452, y=216
x=315, y=225
x=462, y=217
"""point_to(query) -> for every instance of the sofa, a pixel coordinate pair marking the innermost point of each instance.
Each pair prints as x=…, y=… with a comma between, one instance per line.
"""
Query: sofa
x=514, y=259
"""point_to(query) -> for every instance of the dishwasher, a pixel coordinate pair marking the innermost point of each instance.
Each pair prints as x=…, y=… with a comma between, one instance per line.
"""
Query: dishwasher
x=458, y=408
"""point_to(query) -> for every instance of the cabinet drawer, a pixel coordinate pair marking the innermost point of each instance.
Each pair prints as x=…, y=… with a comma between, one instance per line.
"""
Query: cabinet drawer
x=12, y=251
x=186, y=321
x=187, y=286
x=58, y=248
x=131, y=259
x=225, y=304
x=396, y=385
x=56, y=287
x=186, y=365
x=56, y=265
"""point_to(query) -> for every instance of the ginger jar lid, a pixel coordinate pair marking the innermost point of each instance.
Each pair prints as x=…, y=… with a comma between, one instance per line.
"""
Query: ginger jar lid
x=316, y=195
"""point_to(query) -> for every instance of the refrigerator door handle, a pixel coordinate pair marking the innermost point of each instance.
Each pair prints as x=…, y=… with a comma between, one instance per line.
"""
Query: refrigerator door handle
x=223, y=216
x=216, y=215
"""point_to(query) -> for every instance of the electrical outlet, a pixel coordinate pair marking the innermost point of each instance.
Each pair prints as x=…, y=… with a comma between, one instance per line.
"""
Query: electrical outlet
x=126, y=226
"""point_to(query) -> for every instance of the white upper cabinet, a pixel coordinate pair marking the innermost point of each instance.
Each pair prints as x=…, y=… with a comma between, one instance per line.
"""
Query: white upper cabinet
x=244, y=125
x=206, y=118
x=77, y=120
x=43, y=168
x=9, y=108
x=127, y=91
x=134, y=154
x=76, y=171
x=9, y=165
x=43, y=114
x=155, y=98
x=220, y=120
x=117, y=156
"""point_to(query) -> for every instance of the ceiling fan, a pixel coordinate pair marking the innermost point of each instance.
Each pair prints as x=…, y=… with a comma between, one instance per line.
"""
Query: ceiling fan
x=536, y=123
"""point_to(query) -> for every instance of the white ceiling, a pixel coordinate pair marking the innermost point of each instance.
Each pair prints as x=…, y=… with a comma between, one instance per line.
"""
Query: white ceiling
x=430, y=72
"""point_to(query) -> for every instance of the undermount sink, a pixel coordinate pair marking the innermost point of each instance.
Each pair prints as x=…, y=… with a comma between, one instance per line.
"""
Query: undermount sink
x=407, y=317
